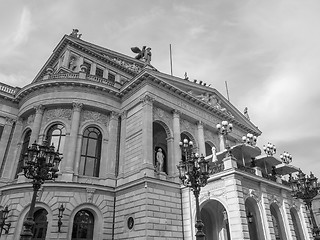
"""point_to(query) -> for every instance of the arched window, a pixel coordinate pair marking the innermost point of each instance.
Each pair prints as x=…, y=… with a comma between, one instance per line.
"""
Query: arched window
x=24, y=148
x=41, y=225
x=83, y=225
x=56, y=135
x=90, y=152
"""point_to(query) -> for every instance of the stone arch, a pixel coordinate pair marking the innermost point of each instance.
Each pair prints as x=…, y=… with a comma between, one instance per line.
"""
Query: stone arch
x=277, y=220
x=215, y=218
x=23, y=216
x=208, y=147
x=102, y=128
x=166, y=128
x=297, y=226
x=98, y=220
x=254, y=219
x=49, y=124
x=190, y=137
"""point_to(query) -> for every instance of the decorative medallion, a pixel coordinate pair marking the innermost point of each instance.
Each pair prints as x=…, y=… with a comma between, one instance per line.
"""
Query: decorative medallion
x=90, y=193
x=95, y=116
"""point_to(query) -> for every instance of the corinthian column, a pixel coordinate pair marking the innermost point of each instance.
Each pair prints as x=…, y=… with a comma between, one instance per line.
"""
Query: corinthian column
x=72, y=145
x=202, y=147
x=176, y=138
x=147, y=134
x=36, y=123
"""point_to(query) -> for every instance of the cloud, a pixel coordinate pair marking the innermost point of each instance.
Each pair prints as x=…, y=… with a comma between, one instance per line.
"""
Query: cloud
x=24, y=28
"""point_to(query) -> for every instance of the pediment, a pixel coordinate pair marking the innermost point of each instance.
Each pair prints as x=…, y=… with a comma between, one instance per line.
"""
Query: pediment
x=205, y=97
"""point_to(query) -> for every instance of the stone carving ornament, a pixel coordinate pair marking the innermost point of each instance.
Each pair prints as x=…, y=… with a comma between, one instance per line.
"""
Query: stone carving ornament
x=187, y=126
x=159, y=114
x=57, y=113
x=95, y=116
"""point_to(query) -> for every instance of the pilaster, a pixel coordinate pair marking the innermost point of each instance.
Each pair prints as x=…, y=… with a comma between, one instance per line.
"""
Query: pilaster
x=68, y=170
x=287, y=217
x=147, y=134
x=202, y=147
x=122, y=143
x=266, y=213
x=176, y=139
x=37, y=123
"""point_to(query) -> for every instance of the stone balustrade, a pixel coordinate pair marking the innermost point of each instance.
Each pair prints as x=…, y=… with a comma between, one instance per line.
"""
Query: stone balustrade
x=7, y=89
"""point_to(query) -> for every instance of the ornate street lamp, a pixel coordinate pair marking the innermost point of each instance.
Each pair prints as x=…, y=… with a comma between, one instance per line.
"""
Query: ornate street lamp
x=286, y=158
x=306, y=188
x=250, y=139
x=3, y=217
x=41, y=163
x=194, y=172
x=270, y=149
x=224, y=129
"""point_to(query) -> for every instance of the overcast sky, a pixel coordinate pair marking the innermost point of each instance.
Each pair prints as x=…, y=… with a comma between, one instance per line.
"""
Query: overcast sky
x=267, y=51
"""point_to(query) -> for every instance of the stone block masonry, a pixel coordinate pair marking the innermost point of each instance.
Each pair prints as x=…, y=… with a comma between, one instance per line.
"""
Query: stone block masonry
x=155, y=207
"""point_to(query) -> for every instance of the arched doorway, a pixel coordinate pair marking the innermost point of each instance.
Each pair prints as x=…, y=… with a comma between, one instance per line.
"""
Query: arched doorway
x=40, y=224
x=277, y=221
x=160, y=148
x=297, y=224
x=254, y=219
x=215, y=220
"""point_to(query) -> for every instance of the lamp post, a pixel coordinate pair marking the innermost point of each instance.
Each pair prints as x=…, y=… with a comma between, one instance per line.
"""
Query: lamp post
x=270, y=149
x=41, y=163
x=194, y=172
x=224, y=129
x=3, y=217
x=286, y=158
x=306, y=188
x=250, y=139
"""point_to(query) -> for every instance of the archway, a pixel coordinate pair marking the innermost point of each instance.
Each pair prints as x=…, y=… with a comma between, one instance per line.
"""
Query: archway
x=297, y=224
x=215, y=220
x=277, y=221
x=254, y=219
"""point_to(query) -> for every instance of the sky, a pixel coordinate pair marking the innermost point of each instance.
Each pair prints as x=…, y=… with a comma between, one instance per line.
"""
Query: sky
x=268, y=52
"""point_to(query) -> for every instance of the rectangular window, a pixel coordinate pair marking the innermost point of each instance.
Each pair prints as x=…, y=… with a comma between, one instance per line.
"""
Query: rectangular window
x=111, y=77
x=1, y=130
x=99, y=72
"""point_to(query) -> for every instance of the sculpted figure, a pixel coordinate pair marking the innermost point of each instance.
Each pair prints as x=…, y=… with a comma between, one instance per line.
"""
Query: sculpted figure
x=75, y=33
x=159, y=160
x=144, y=54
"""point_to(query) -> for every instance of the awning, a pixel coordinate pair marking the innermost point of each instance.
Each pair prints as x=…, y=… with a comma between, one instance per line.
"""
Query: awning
x=242, y=152
x=284, y=169
x=266, y=162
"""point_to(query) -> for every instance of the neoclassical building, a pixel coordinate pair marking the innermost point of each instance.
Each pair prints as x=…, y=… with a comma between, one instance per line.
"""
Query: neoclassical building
x=109, y=115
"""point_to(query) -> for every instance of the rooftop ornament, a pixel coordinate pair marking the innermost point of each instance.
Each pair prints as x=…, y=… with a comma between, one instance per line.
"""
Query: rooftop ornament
x=144, y=54
x=306, y=188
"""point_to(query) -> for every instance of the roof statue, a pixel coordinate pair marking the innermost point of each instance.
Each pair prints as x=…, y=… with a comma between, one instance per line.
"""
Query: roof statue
x=75, y=33
x=144, y=54
x=186, y=76
x=245, y=113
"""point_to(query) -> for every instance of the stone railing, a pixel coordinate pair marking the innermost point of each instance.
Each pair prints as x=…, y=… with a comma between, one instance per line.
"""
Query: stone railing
x=247, y=169
x=270, y=177
x=7, y=89
x=92, y=78
x=216, y=168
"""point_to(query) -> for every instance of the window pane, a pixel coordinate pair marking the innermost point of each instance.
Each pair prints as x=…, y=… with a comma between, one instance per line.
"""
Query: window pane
x=81, y=166
x=92, y=147
x=89, y=166
x=84, y=146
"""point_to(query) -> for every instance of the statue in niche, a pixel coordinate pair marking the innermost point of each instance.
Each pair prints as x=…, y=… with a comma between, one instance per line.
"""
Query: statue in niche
x=75, y=33
x=72, y=63
x=160, y=160
x=144, y=54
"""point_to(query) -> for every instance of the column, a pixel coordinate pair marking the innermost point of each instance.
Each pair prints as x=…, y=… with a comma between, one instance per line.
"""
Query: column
x=66, y=58
x=202, y=147
x=266, y=213
x=105, y=73
x=176, y=139
x=36, y=123
x=93, y=69
x=147, y=134
x=72, y=145
x=170, y=157
x=109, y=169
x=122, y=152
x=5, y=139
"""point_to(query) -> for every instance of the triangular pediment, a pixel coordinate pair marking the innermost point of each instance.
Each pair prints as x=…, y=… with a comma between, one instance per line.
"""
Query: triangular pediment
x=205, y=97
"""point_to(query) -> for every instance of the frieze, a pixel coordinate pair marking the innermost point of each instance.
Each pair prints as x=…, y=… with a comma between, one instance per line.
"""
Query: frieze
x=187, y=126
x=159, y=114
x=57, y=113
x=95, y=116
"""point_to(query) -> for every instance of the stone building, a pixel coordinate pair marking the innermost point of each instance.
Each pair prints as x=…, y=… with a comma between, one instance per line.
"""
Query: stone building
x=109, y=114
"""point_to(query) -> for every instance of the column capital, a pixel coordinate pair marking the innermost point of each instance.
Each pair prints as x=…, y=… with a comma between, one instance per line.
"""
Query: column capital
x=147, y=99
x=200, y=124
x=77, y=106
x=124, y=114
x=9, y=121
x=176, y=113
x=39, y=109
x=114, y=115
